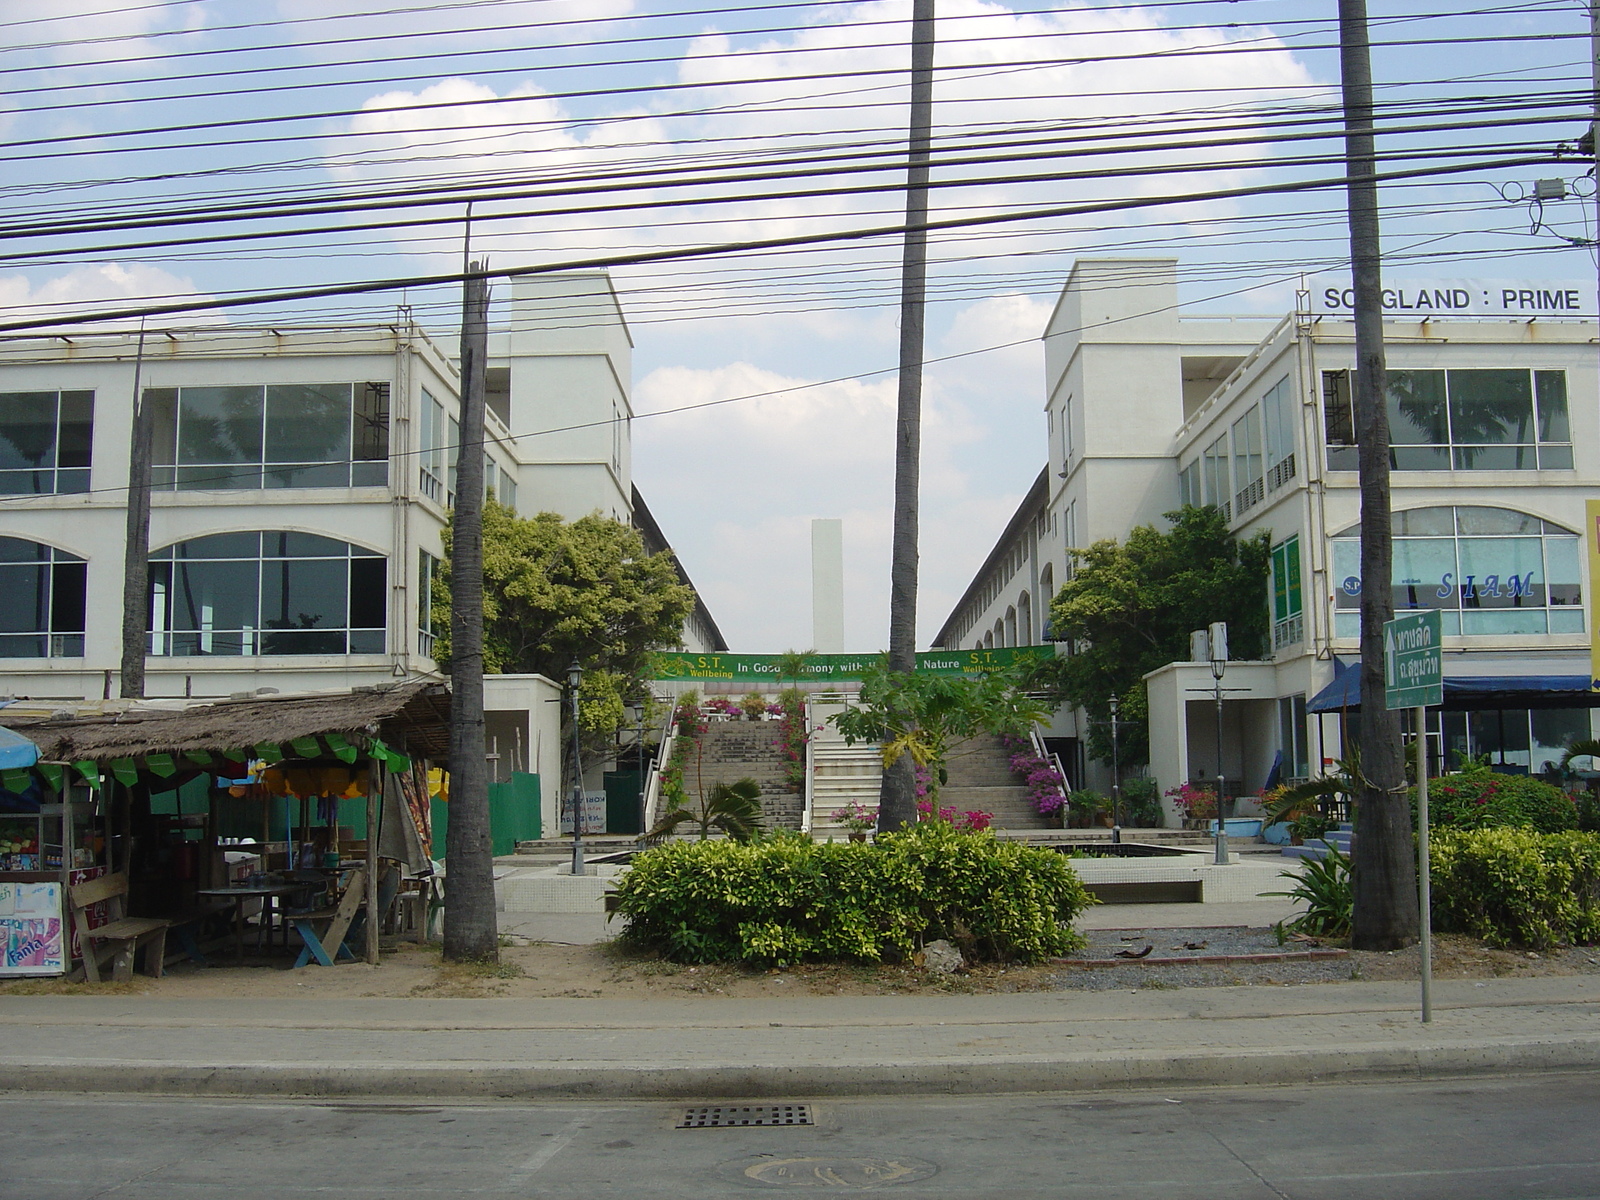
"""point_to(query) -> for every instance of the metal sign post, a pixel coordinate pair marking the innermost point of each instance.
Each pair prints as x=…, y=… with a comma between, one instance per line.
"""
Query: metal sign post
x=1413, y=676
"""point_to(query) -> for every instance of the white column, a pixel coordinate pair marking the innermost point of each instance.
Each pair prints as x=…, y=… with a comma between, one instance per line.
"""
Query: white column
x=827, y=585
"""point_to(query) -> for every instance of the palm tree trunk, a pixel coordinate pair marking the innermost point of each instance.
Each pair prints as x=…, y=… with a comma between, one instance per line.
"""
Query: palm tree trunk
x=897, y=801
x=470, y=933
x=1383, y=875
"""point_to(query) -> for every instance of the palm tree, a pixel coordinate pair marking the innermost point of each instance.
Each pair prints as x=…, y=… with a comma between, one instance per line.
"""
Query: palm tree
x=734, y=808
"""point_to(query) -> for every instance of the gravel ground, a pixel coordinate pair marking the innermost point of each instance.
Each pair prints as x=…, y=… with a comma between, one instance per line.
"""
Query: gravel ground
x=1194, y=942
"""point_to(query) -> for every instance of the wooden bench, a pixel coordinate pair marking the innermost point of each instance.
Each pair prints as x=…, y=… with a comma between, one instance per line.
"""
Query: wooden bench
x=126, y=935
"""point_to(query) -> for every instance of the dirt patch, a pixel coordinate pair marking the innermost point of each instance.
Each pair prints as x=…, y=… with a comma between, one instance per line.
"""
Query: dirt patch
x=540, y=970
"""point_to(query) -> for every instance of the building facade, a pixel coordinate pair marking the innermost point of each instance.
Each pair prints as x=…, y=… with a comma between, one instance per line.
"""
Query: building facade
x=1493, y=431
x=302, y=480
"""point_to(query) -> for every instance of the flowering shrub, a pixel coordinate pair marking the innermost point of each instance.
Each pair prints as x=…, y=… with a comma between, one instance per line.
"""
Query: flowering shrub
x=973, y=821
x=1197, y=802
x=692, y=726
x=791, y=713
x=1478, y=798
x=1047, y=787
x=856, y=817
x=723, y=707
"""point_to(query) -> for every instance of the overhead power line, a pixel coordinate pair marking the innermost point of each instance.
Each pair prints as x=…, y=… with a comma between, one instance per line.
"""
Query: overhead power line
x=826, y=238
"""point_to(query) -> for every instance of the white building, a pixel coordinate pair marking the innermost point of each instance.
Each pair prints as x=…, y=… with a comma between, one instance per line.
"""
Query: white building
x=1494, y=427
x=302, y=481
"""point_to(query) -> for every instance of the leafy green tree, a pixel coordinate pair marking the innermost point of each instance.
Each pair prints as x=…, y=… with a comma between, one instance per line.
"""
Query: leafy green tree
x=1130, y=608
x=556, y=590
x=920, y=715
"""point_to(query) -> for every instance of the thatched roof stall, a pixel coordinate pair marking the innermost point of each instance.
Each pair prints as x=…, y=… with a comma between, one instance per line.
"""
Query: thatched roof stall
x=378, y=739
x=413, y=715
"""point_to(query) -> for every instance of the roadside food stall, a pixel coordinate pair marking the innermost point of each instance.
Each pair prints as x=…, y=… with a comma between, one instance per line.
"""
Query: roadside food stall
x=150, y=831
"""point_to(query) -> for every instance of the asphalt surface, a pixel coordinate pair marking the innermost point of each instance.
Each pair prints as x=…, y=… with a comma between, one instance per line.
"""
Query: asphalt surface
x=1509, y=1139
x=701, y=1046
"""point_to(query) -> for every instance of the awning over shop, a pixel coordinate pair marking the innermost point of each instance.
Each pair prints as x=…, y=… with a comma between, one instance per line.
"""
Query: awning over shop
x=1464, y=693
x=16, y=750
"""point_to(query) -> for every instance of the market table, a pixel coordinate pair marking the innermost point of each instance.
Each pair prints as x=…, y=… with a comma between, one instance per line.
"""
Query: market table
x=268, y=893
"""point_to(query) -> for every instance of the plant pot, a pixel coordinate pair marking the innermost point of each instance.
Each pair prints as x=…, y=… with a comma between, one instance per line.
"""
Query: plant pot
x=1296, y=840
x=858, y=837
x=1106, y=820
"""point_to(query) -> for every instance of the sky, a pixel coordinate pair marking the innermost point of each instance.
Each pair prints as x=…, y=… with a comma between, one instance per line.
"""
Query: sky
x=592, y=128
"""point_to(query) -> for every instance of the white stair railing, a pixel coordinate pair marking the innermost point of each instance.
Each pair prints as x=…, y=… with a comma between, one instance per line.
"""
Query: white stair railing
x=652, y=787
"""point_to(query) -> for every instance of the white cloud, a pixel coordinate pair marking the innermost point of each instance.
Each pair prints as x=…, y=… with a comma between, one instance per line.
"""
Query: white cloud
x=104, y=285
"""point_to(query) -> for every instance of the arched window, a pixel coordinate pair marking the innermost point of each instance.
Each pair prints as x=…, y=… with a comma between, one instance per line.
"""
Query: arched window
x=267, y=593
x=42, y=600
x=1026, y=634
x=1489, y=570
x=1011, y=627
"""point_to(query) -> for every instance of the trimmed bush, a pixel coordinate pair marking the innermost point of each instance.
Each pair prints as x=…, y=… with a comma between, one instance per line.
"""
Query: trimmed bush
x=1515, y=887
x=788, y=899
x=1478, y=798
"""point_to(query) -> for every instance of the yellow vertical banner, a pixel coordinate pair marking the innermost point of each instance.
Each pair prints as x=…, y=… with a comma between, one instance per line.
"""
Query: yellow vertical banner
x=1591, y=537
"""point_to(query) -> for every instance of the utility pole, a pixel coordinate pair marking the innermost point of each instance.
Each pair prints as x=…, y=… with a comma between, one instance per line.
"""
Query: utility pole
x=897, y=800
x=1383, y=874
x=136, y=543
x=470, y=933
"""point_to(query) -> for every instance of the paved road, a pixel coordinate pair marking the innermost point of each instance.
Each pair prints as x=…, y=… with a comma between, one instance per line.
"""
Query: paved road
x=1529, y=1138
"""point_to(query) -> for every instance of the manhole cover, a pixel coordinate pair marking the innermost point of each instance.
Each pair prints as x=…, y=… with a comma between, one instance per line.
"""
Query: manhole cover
x=862, y=1174
x=725, y=1116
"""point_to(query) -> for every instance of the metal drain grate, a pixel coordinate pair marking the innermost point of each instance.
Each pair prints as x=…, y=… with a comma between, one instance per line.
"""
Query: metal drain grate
x=723, y=1116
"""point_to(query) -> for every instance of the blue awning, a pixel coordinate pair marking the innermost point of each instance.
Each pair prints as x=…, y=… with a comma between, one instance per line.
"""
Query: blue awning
x=16, y=750
x=1469, y=692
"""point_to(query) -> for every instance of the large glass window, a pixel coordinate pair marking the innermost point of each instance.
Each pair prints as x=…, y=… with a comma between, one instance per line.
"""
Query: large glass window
x=427, y=579
x=1277, y=423
x=1214, y=475
x=1292, y=740
x=273, y=436
x=43, y=598
x=1247, y=461
x=45, y=439
x=1288, y=620
x=267, y=593
x=1189, y=485
x=1517, y=741
x=1490, y=571
x=1502, y=419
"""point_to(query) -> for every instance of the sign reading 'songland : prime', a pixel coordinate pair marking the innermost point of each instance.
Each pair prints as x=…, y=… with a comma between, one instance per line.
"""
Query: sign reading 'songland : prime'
x=1413, y=660
x=1428, y=298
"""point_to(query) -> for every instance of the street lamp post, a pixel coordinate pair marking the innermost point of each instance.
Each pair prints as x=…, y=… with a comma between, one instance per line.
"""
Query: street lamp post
x=639, y=762
x=574, y=678
x=1116, y=779
x=1217, y=650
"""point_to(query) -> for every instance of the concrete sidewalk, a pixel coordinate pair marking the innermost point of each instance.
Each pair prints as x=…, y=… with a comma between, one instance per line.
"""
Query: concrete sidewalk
x=706, y=1047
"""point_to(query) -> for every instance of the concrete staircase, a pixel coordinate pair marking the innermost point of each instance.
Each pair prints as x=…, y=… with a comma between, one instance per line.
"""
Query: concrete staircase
x=734, y=750
x=841, y=774
x=1317, y=848
x=980, y=779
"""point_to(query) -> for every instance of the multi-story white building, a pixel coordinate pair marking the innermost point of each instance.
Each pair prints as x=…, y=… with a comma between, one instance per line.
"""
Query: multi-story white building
x=1494, y=422
x=302, y=480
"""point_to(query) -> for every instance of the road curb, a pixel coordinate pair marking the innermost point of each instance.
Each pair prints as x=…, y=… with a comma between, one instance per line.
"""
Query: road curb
x=949, y=1076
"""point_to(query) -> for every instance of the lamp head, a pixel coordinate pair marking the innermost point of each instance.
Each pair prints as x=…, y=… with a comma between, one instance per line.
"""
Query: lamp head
x=574, y=674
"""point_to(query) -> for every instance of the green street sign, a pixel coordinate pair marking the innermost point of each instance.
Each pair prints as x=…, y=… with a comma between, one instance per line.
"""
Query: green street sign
x=1413, y=661
x=763, y=668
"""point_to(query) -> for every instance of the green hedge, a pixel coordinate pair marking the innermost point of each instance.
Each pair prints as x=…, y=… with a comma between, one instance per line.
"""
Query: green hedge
x=1515, y=887
x=1478, y=798
x=786, y=899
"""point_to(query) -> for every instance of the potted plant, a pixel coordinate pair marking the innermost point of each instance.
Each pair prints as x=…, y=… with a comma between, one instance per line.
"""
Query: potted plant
x=754, y=706
x=1088, y=808
x=1198, y=804
x=857, y=818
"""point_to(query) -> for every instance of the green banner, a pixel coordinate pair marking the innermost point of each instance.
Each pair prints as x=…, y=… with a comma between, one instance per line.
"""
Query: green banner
x=763, y=668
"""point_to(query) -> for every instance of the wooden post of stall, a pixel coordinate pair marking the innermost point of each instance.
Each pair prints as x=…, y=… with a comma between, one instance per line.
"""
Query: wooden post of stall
x=373, y=792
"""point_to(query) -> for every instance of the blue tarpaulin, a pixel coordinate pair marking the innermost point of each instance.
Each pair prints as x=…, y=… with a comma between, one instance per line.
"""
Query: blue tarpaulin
x=1468, y=692
x=16, y=750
